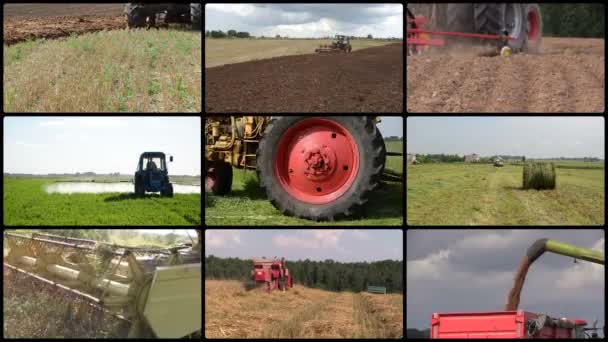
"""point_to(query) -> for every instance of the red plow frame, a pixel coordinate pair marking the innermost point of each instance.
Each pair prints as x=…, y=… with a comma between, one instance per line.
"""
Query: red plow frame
x=416, y=36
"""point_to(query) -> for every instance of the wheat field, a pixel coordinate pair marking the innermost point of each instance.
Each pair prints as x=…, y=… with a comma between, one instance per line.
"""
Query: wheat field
x=233, y=312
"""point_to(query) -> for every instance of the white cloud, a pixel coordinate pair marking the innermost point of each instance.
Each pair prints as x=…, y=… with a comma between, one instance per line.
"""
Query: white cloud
x=241, y=10
x=583, y=273
x=30, y=145
x=312, y=239
x=222, y=238
x=85, y=122
x=431, y=267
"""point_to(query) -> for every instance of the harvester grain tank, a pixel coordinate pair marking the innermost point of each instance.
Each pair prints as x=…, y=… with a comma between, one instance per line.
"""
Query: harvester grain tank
x=156, y=290
x=313, y=167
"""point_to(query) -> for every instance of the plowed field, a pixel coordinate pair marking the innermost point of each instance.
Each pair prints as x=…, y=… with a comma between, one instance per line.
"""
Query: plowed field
x=368, y=80
x=568, y=76
x=34, y=21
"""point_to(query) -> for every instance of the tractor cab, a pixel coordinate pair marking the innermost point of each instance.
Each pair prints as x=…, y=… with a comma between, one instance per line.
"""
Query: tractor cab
x=152, y=174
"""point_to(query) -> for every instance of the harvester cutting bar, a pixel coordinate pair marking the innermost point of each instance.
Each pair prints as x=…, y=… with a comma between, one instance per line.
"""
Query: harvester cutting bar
x=58, y=243
x=113, y=287
x=64, y=239
x=90, y=300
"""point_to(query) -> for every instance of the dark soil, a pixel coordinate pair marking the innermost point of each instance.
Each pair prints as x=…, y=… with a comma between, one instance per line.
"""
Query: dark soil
x=368, y=80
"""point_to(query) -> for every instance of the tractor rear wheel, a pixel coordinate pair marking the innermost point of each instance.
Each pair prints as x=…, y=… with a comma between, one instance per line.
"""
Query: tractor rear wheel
x=139, y=187
x=135, y=15
x=218, y=178
x=320, y=168
x=167, y=191
x=195, y=14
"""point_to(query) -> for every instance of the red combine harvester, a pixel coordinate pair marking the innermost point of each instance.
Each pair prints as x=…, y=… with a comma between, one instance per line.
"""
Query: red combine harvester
x=504, y=324
x=272, y=272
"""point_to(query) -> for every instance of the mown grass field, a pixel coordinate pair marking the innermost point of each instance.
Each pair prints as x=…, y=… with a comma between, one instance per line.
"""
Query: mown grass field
x=301, y=312
x=108, y=71
x=27, y=203
x=470, y=194
x=227, y=51
x=247, y=204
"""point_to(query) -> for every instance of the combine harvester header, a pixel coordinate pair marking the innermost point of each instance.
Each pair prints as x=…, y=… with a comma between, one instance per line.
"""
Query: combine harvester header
x=157, y=290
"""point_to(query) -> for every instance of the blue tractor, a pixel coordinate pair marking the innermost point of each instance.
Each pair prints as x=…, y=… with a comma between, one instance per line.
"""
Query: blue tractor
x=152, y=174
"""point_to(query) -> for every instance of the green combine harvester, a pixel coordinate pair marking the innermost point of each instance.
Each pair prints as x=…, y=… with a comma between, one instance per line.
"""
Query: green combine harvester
x=545, y=245
x=156, y=290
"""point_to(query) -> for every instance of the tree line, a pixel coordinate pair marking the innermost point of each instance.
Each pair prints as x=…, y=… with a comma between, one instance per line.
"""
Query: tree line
x=328, y=275
x=573, y=20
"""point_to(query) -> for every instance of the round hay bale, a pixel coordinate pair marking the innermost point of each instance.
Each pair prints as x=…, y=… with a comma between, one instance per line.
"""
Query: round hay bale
x=539, y=175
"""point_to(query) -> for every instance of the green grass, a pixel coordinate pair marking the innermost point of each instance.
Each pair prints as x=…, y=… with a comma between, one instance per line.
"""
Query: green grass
x=469, y=194
x=26, y=203
x=108, y=71
x=247, y=205
x=228, y=51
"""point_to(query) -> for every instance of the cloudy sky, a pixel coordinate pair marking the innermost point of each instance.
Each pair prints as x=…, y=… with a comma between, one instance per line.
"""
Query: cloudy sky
x=307, y=20
x=534, y=137
x=345, y=245
x=473, y=270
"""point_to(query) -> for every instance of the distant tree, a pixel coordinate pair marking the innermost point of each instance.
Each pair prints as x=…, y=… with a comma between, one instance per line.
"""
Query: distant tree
x=278, y=36
x=369, y=36
x=231, y=33
x=242, y=34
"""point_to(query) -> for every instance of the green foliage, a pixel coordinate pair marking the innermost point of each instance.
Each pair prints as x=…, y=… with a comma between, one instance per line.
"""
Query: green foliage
x=327, y=275
x=573, y=20
x=27, y=203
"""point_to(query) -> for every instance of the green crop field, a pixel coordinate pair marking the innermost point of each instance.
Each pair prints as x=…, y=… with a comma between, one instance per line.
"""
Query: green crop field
x=481, y=194
x=27, y=203
x=108, y=71
x=247, y=205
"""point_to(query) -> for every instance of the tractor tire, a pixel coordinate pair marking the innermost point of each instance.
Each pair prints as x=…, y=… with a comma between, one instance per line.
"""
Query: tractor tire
x=135, y=15
x=168, y=191
x=522, y=21
x=139, y=187
x=218, y=178
x=195, y=15
x=320, y=168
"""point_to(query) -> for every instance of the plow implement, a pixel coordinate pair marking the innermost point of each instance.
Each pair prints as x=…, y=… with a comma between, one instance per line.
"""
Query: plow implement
x=139, y=290
x=512, y=27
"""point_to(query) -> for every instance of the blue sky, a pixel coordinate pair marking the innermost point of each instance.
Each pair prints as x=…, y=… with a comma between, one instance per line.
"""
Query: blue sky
x=42, y=145
x=535, y=137
x=391, y=126
x=345, y=245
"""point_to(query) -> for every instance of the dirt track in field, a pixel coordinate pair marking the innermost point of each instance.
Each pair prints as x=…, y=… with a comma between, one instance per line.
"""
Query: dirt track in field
x=35, y=21
x=369, y=80
x=568, y=76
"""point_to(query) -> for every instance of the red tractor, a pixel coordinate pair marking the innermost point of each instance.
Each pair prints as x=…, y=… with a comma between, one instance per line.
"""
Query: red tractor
x=272, y=272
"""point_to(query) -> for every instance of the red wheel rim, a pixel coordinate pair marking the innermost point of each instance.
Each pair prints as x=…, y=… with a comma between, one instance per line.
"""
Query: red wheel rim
x=317, y=161
x=533, y=25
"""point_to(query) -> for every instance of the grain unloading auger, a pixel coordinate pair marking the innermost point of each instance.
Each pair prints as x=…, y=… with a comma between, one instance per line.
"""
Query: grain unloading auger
x=157, y=290
x=545, y=245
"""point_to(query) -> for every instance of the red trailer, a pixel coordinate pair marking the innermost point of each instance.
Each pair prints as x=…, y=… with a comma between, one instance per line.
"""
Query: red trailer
x=503, y=324
x=273, y=272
